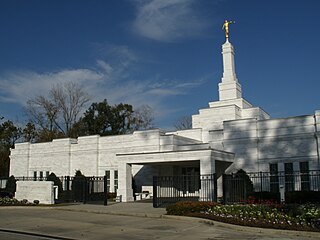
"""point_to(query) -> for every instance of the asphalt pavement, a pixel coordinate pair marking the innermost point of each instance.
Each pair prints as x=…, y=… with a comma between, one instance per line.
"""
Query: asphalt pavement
x=123, y=221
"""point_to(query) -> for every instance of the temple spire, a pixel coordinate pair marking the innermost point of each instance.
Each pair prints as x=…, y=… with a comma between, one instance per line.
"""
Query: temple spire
x=229, y=88
x=229, y=71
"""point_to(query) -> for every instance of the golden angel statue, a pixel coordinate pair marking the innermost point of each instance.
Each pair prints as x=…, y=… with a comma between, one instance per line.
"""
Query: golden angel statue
x=225, y=26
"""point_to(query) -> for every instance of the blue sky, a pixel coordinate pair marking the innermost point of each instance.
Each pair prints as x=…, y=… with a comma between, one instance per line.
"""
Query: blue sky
x=164, y=53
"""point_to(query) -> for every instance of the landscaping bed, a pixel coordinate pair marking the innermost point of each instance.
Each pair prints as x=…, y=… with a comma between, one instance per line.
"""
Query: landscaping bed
x=7, y=201
x=264, y=214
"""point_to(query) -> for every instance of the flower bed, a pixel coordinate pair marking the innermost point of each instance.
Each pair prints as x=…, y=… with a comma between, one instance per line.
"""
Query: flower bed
x=183, y=208
x=266, y=215
x=6, y=201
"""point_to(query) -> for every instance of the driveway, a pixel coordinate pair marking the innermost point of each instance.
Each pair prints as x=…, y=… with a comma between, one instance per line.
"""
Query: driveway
x=69, y=223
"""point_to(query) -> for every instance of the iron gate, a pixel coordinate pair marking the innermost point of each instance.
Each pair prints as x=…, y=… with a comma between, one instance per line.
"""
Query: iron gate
x=89, y=189
x=171, y=189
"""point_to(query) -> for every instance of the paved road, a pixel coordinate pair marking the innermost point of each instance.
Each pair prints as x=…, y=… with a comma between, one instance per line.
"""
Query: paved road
x=71, y=224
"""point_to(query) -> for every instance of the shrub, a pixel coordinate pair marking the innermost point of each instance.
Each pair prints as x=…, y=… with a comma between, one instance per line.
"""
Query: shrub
x=56, y=181
x=6, y=201
x=265, y=196
x=303, y=197
x=79, y=186
x=11, y=185
x=185, y=208
x=5, y=194
x=270, y=203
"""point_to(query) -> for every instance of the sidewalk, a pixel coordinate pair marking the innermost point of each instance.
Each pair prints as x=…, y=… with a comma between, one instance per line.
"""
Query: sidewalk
x=137, y=209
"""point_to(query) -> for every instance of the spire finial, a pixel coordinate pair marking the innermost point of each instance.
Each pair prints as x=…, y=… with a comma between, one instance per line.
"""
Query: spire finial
x=225, y=26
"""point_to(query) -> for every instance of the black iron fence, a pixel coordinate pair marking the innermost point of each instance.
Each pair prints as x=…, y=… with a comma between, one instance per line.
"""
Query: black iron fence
x=294, y=187
x=171, y=189
x=75, y=189
x=280, y=186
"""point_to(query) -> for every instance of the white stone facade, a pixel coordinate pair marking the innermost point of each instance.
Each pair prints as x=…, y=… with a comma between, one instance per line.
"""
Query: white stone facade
x=41, y=191
x=229, y=135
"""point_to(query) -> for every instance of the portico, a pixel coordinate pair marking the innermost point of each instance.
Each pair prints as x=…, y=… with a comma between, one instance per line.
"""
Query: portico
x=207, y=160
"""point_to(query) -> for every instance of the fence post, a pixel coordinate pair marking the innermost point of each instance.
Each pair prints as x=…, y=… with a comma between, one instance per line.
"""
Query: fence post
x=67, y=179
x=282, y=194
x=105, y=188
x=244, y=181
x=261, y=185
x=224, y=193
x=85, y=190
x=215, y=184
x=155, y=204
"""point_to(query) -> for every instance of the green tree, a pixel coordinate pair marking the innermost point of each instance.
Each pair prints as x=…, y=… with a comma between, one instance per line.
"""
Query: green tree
x=103, y=119
x=9, y=134
x=121, y=119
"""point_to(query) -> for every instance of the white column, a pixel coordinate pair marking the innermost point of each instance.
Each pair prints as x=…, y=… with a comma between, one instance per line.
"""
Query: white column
x=112, y=181
x=207, y=168
x=281, y=182
x=125, y=183
x=296, y=176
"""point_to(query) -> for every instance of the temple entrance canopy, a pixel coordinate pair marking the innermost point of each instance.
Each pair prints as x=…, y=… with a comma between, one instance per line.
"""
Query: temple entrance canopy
x=170, y=163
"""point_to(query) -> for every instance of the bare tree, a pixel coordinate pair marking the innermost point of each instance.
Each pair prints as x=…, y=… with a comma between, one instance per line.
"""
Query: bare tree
x=43, y=112
x=29, y=132
x=70, y=99
x=183, y=123
x=143, y=118
x=56, y=114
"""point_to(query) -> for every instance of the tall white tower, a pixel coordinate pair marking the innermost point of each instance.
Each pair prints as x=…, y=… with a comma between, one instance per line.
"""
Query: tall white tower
x=229, y=88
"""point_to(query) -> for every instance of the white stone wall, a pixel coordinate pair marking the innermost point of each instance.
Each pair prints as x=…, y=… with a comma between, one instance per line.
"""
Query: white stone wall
x=84, y=156
x=256, y=144
x=288, y=140
x=93, y=155
x=35, y=190
x=19, y=159
x=195, y=133
x=51, y=156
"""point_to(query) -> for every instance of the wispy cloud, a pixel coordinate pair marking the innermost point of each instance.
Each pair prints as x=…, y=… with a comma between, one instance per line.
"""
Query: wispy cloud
x=168, y=20
x=19, y=86
x=114, y=80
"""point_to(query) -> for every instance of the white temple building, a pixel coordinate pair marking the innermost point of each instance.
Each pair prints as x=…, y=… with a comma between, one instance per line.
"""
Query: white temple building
x=229, y=135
